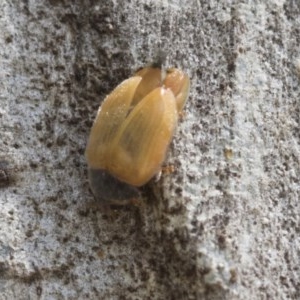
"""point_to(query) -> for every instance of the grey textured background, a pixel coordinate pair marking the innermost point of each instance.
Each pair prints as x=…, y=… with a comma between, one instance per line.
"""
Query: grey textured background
x=225, y=225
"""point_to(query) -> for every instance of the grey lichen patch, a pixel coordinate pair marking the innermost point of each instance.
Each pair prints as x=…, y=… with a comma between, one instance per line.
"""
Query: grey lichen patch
x=297, y=66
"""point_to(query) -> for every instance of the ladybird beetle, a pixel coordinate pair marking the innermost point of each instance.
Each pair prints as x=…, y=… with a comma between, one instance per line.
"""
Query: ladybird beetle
x=132, y=131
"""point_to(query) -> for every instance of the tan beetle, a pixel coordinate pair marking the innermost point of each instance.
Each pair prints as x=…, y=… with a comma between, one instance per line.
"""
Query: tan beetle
x=132, y=131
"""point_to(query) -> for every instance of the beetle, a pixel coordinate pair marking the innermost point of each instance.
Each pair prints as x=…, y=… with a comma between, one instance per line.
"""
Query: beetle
x=132, y=131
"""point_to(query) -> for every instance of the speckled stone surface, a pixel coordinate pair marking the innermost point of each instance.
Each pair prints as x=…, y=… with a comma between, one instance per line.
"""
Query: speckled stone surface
x=225, y=224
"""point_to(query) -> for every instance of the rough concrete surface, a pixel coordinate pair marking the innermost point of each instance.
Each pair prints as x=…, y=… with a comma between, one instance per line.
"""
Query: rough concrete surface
x=225, y=224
